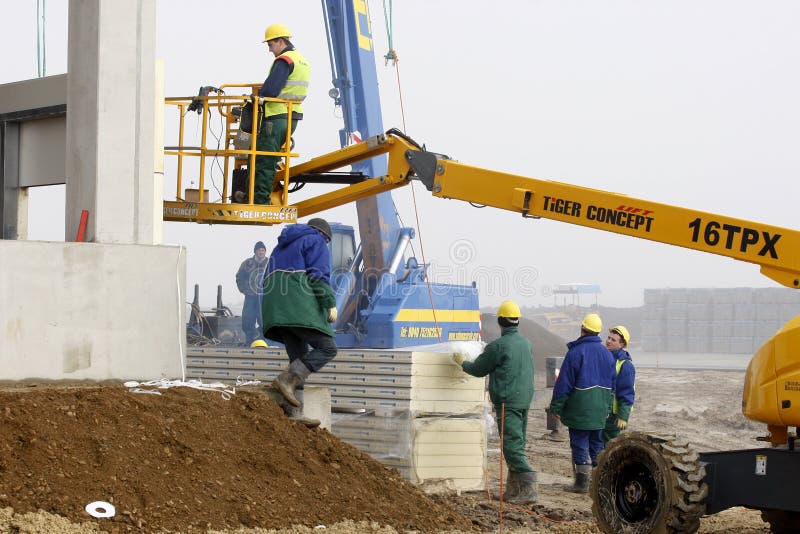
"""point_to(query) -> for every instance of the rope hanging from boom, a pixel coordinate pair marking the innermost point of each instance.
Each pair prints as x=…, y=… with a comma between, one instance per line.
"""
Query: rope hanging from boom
x=391, y=55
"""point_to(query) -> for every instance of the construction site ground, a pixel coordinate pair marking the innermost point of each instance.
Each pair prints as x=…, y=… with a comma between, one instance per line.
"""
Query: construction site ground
x=192, y=461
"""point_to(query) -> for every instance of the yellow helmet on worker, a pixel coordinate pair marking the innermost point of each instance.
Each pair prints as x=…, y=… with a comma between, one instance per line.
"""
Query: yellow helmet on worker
x=622, y=332
x=509, y=309
x=592, y=323
x=274, y=31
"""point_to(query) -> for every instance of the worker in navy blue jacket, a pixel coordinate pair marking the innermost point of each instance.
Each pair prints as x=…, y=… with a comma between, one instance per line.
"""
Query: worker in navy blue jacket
x=582, y=397
x=624, y=392
x=288, y=79
x=248, y=277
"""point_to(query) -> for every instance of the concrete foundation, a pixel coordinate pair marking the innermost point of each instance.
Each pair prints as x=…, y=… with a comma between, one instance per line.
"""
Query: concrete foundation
x=89, y=311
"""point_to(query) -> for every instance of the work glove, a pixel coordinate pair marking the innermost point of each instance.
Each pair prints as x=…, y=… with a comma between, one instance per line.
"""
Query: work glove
x=332, y=315
x=622, y=424
x=458, y=358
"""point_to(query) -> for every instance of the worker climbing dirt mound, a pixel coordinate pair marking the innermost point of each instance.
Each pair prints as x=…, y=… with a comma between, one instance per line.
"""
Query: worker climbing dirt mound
x=189, y=460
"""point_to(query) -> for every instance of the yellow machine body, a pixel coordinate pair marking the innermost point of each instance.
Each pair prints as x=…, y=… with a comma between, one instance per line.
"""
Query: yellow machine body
x=772, y=383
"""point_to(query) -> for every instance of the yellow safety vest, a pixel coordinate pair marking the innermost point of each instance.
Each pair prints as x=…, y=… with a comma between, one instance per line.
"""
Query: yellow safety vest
x=615, y=407
x=296, y=86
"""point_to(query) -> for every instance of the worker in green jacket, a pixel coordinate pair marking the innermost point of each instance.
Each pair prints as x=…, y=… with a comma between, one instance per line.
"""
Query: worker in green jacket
x=509, y=363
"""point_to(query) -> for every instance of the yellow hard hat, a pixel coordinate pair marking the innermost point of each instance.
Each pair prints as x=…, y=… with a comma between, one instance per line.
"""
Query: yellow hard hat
x=623, y=332
x=274, y=31
x=592, y=323
x=259, y=343
x=508, y=308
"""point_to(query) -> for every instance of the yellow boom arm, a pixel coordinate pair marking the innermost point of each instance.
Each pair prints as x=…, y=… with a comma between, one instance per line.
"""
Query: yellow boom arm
x=776, y=250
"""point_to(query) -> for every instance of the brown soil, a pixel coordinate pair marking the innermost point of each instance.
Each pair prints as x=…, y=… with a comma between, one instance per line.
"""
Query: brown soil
x=190, y=461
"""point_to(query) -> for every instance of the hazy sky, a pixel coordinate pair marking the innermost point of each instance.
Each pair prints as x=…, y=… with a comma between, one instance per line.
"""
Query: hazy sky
x=691, y=103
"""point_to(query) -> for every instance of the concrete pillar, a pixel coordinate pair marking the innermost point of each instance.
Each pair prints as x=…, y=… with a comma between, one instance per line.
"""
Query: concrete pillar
x=110, y=123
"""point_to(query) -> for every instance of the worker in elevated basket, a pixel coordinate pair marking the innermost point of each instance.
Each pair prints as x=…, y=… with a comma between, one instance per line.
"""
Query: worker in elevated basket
x=582, y=397
x=508, y=361
x=624, y=391
x=288, y=80
x=298, y=304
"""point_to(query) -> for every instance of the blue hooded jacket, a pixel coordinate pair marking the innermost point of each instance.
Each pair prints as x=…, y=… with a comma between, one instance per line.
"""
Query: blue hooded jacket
x=297, y=288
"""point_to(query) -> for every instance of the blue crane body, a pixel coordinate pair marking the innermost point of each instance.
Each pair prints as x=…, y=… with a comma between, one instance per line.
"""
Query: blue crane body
x=383, y=297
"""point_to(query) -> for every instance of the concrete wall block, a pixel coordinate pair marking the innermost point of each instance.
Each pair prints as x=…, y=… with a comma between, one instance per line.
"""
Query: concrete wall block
x=676, y=344
x=654, y=312
x=720, y=345
x=699, y=328
x=655, y=296
x=766, y=329
x=723, y=311
x=653, y=343
x=677, y=310
x=741, y=345
x=776, y=295
x=733, y=295
x=676, y=327
x=700, y=344
x=699, y=311
x=721, y=329
x=678, y=294
x=652, y=327
x=789, y=310
x=745, y=312
x=701, y=296
x=744, y=329
x=768, y=312
x=92, y=311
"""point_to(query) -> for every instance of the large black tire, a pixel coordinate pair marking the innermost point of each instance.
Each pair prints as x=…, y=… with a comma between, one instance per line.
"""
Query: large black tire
x=781, y=522
x=645, y=483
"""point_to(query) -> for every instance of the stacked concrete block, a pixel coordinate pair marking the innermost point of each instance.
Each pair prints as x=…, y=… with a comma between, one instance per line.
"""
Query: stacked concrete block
x=676, y=312
x=725, y=320
x=405, y=408
x=653, y=332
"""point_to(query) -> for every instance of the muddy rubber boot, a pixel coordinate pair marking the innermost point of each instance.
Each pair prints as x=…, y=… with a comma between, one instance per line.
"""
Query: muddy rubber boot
x=510, y=489
x=527, y=488
x=287, y=381
x=296, y=414
x=583, y=474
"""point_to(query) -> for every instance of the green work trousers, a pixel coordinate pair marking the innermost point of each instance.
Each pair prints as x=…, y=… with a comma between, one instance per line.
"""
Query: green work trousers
x=271, y=137
x=513, y=431
x=610, y=431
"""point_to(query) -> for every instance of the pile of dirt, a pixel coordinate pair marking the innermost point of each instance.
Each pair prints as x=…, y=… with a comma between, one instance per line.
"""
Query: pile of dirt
x=545, y=343
x=189, y=460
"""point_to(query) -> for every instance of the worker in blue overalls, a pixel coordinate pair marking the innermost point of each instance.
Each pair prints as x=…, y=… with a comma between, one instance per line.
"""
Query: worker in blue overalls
x=624, y=392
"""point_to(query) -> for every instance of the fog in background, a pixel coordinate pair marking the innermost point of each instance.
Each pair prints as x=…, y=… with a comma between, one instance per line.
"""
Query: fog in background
x=690, y=103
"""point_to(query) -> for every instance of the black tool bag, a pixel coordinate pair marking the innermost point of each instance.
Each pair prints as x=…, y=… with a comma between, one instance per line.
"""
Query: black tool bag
x=246, y=120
